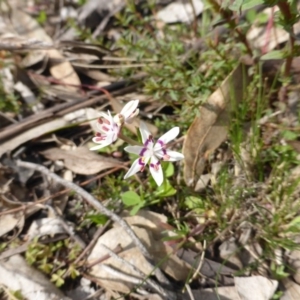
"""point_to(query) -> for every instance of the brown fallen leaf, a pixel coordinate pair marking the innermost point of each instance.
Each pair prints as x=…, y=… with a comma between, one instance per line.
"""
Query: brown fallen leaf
x=255, y=287
x=9, y=222
x=82, y=160
x=60, y=69
x=116, y=238
x=292, y=290
x=220, y=293
x=36, y=131
x=16, y=274
x=209, y=130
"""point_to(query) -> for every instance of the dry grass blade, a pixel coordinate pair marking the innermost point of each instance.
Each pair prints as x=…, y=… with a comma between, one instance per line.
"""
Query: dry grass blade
x=209, y=130
x=16, y=43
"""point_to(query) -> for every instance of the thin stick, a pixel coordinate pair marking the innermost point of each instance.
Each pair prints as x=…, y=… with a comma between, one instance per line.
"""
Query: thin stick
x=98, y=205
x=96, y=236
x=167, y=294
x=25, y=205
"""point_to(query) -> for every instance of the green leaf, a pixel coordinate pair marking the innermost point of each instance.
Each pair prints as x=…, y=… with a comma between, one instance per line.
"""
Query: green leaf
x=130, y=198
x=165, y=190
x=248, y=4
x=295, y=223
x=236, y=6
x=97, y=219
x=42, y=17
x=169, y=170
x=275, y=54
x=193, y=202
x=136, y=208
x=290, y=135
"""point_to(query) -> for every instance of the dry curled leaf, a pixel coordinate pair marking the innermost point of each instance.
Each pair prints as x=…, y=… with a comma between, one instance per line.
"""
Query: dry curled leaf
x=17, y=275
x=209, y=130
x=11, y=221
x=82, y=160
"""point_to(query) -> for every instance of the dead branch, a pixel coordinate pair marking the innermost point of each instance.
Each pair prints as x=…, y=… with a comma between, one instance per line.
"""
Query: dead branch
x=97, y=205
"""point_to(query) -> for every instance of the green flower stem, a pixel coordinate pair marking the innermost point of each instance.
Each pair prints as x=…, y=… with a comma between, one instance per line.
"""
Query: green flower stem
x=128, y=140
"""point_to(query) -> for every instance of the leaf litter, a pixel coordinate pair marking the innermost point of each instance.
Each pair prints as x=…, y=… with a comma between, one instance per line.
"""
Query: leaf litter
x=59, y=84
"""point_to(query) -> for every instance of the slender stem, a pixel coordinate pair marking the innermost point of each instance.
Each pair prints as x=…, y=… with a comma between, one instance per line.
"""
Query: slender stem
x=128, y=140
x=229, y=17
x=285, y=9
x=194, y=23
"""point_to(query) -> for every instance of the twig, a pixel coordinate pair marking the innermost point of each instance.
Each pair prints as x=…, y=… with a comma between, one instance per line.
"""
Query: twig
x=194, y=23
x=96, y=236
x=9, y=293
x=98, y=205
x=25, y=205
x=285, y=9
x=121, y=275
x=188, y=288
x=167, y=294
x=66, y=227
x=101, y=259
x=228, y=16
x=288, y=16
x=197, y=271
x=116, y=88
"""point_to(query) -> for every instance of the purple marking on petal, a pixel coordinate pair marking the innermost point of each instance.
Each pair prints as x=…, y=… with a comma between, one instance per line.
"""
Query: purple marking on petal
x=149, y=139
x=143, y=151
x=161, y=143
x=100, y=138
x=163, y=146
x=141, y=161
x=155, y=166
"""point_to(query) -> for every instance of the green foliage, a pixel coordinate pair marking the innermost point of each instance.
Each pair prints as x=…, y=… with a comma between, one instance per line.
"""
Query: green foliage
x=8, y=102
x=97, y=219
x=51, y=259
x=130, y=198
x=169, y=74
x=275, y=54
x=42, y=17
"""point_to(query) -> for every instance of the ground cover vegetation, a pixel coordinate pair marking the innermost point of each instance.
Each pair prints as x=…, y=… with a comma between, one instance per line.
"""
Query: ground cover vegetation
x=211, y=104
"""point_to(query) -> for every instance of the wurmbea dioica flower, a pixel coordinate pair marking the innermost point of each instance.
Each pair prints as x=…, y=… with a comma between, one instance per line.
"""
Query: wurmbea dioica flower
x=155, y=152
x=109, y=127
x=128, y=113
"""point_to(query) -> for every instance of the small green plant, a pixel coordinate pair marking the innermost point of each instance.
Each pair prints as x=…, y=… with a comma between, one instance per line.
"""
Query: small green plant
x=53, y=258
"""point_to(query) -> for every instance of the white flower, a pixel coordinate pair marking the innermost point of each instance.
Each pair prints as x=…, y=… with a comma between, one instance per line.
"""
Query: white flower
x=109, y=127
x=128, y=113
x=153, y=152
x=108, y=131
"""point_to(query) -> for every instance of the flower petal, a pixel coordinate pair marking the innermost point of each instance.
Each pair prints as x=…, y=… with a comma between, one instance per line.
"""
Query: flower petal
x=135, y=167
x=167, y=137
x=156, y=170
x=102, y=145
x=171, y=155
x=145, y=133
x=134, y=149
x=129, y=109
